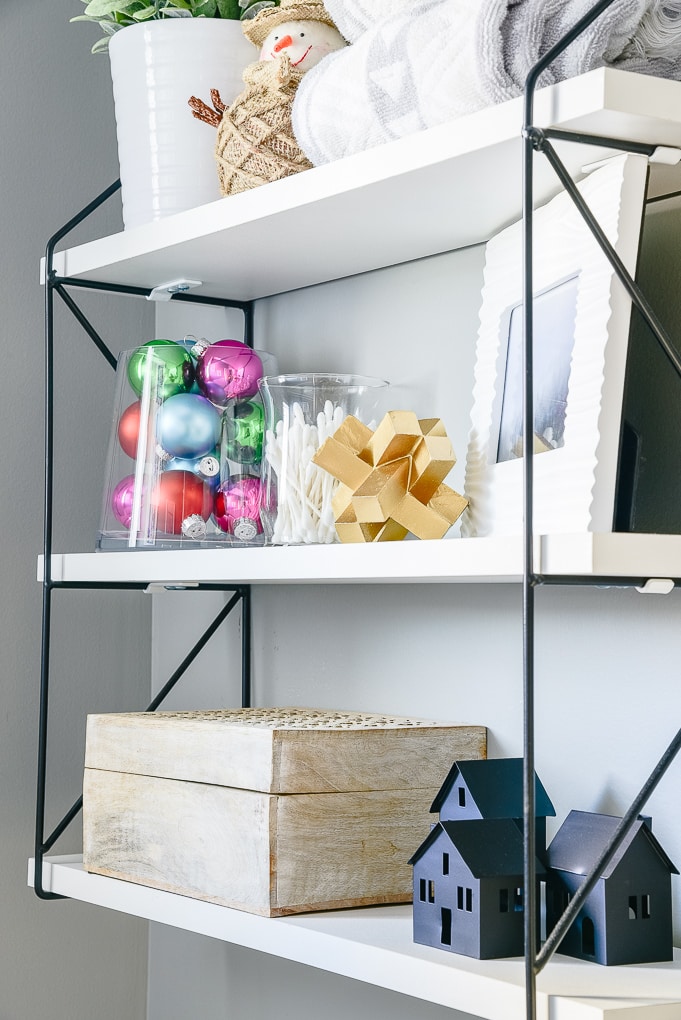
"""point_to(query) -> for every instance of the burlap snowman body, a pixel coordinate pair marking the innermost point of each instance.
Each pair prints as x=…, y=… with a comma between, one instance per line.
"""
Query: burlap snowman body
x=255, y=143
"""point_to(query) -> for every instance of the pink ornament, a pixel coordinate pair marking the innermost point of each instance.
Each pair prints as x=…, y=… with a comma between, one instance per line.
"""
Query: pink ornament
x=228, y=370
x=237, y=507
x=122, y=500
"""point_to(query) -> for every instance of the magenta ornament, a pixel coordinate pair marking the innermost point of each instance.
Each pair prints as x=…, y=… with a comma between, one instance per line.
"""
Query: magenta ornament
x=122, y=500
x=237, y=507
x=228, y=370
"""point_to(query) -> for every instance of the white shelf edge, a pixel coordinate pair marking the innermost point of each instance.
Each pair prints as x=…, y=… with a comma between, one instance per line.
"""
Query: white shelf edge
x=375, y=945
x=496, y=559
x=458, y=165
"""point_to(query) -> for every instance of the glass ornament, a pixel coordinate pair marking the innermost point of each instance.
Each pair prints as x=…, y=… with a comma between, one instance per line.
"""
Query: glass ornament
x=165, y=364
x=129, y=428
x=237, y=507
x=206, y=467
x=244, y=425
x=187, y=425
x=228, y=370
x=179, y=497
x=122, y=499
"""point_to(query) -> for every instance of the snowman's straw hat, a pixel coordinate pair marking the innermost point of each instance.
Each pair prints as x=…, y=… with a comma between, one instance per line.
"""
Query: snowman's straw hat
x=258, y=28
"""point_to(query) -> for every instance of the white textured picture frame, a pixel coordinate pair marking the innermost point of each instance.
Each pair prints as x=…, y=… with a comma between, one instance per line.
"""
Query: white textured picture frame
x=574, y=484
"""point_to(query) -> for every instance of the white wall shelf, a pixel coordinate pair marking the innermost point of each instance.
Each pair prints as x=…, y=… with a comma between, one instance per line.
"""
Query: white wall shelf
x=375, y=945
x=494, y=559
x=247, y=246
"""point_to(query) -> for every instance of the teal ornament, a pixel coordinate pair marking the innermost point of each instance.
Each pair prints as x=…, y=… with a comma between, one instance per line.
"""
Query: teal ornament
x=206, y=467
x=168, y=367
x=244, y=432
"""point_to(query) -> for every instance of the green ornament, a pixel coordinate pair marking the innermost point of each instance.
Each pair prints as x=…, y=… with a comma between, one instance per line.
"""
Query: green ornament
x=244, y=431
x=169, y=366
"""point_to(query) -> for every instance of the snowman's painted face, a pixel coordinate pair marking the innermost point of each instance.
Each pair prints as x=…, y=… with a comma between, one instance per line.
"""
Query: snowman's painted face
x=305, y=42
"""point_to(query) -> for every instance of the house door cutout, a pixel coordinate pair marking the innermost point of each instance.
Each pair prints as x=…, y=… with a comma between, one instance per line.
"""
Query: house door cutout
x=588, y=937
x=446, y=936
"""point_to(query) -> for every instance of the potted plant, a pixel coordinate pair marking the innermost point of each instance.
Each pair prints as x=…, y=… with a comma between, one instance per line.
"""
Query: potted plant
x=112, y=15
x=162, y=52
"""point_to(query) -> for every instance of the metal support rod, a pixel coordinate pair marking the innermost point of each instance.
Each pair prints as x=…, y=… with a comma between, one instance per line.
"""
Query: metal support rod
x=530, y=580
x=633, y=290
x=47, y=843
x=87, y=325
x=246, y=647
x=582, y=138
x=557, y=934
x=191, y=655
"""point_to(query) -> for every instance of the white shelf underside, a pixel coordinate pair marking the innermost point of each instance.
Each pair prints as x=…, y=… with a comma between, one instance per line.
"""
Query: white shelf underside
x=245, y=247
x=375, y=945
x=465, y=560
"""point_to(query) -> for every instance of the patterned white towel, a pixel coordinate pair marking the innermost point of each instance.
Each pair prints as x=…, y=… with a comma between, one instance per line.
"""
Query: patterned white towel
x=431, y=61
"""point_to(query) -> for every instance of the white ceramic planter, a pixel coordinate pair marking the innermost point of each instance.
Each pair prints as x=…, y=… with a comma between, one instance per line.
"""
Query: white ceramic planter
x=166, y=156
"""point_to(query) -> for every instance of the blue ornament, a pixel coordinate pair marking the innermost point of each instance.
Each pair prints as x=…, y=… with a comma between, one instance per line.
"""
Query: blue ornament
x=187, y=425
x=205, y=467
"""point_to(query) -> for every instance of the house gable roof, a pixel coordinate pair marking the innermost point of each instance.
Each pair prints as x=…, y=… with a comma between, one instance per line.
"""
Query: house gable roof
x=583, y=836
x=488, y=847
x=496, y=787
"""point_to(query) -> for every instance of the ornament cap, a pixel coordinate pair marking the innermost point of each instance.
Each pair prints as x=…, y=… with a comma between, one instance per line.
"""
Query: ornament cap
x=194, y=526
x=162, y=454
x=245, y=529
x=199, y=347
x=209, y=467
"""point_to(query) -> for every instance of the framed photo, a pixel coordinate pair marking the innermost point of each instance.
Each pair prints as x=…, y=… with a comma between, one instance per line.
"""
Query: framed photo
x=581, y=328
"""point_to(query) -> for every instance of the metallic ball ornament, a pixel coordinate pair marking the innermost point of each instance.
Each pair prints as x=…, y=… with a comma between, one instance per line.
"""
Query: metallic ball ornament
x=228, y=370
x=129, y=428
x=179, y=498
x=237, y=507
x=168, y=364
x=187, y=425
x=244, y=432
x=122, y=500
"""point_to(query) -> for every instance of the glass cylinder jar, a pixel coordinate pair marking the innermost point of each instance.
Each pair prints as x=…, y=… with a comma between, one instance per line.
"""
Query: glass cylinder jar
x=301, y=411
x=183, y=468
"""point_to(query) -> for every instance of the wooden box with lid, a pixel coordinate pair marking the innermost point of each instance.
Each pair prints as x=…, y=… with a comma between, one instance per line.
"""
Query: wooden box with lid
x=273, y=811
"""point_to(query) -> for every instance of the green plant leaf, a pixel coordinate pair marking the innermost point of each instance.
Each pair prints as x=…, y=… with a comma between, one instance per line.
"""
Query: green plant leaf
x=145, y=13
x=204, y=8
x=229, y=9
x=101, y=46
x=101, y=8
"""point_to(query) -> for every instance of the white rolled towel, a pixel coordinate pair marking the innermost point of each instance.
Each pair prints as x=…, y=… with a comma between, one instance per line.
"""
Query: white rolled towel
x=437, y=60
x=354, y=17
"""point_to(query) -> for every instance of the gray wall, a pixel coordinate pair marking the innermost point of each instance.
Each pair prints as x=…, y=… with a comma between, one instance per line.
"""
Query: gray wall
x=64, y=960
x=608, y=696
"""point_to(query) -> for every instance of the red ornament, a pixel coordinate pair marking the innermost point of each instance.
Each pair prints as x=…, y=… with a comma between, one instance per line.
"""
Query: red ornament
x=129, y=428
x=179, y=495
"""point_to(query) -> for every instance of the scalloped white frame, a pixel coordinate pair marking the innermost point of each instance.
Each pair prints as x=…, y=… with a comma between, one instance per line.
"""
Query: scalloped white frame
x=574, y=485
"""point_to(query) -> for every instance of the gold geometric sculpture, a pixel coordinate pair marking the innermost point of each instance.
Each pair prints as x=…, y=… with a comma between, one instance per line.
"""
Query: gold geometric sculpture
x=391, y=480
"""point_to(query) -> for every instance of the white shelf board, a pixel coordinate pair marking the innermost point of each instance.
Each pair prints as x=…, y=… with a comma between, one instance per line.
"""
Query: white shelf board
x=465, y=560
x=375, y=945
x=440, y=189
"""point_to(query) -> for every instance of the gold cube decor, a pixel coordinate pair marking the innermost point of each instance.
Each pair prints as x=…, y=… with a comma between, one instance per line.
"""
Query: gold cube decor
x=391, y=479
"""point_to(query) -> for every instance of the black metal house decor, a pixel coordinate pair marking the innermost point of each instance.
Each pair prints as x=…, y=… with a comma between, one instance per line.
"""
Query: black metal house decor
x=468, y=873
x=627, y=917
x=469, y=895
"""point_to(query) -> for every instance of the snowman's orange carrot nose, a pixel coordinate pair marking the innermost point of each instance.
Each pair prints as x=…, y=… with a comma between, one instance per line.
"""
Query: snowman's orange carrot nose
x=283, y=43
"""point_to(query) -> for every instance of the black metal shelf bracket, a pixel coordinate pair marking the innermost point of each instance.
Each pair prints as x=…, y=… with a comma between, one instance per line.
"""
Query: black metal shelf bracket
x=241, y=596
x=537, y=140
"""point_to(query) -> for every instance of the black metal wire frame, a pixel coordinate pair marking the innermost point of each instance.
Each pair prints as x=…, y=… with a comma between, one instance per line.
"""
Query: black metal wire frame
x=55, y=284
x=537, y=140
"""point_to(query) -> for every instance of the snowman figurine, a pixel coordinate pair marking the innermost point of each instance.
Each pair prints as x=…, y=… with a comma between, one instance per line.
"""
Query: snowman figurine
x=255, y=142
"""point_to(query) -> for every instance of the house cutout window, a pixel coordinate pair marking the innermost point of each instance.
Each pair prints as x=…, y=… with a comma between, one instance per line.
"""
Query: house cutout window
x=469, y=900
x=518, y=899
x=431, y=891
x=446, y=933
x=503, y=901
x=633, y=913
x=422, y=890
x=462, y=796
x=445, y=864
x=645, y=907
x=459, y=897
x=588, y=937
